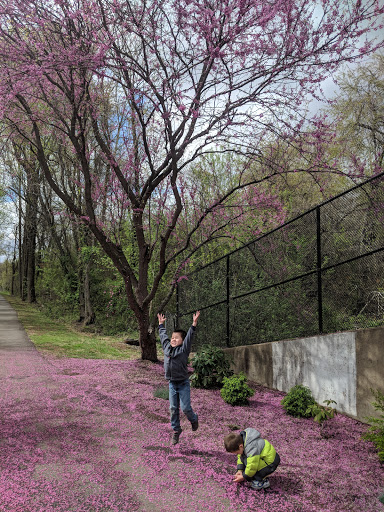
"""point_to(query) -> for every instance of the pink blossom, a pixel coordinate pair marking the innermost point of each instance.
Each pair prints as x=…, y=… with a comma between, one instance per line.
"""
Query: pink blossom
x=89, y=435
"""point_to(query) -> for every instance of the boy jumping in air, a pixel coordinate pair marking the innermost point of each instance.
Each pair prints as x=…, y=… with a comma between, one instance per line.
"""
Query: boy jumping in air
x=176, y=352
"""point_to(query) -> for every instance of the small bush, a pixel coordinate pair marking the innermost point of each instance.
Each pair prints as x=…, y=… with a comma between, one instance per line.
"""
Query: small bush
x=321, y=413
x=235, y=390
x=297, y=401
x=381, y=498
x=162, y=392
x=211, y=365
x=376, y=430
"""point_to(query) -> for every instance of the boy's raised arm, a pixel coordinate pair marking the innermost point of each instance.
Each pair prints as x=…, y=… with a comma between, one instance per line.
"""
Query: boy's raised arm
x=195, y=318
x=161, y=318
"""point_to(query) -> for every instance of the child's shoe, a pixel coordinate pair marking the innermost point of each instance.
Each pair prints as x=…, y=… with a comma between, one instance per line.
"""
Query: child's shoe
x=260, y=484
x=195, y=424
x=175, y=436
x=266, y=483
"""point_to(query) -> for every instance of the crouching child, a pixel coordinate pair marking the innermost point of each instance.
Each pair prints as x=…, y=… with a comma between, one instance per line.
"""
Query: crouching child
x=256, y=457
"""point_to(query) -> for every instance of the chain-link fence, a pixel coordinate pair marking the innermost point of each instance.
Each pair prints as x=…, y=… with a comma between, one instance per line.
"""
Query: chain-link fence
x=321, y=272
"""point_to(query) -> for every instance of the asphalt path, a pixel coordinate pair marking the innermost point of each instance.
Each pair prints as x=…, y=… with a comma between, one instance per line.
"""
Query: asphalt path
x=18, y=355
x=12, y=334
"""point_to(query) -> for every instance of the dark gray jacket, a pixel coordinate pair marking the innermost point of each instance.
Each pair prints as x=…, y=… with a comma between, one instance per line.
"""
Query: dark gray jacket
x=176, y=358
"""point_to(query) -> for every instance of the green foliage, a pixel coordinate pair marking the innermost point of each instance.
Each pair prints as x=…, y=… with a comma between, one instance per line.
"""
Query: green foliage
x=161, y=392
x=320, y=413
x=235, y=390
x=381, y=498
x=360, y=101
x=376, y=430
x=211, y=365
x=58, y=337
x=297, y=401
x=108, y=295
x=56, y=290
x=89, y=253
x=110, y=304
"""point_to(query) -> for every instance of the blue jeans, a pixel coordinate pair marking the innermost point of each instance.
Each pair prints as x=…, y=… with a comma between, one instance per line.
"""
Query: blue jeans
x=180, y=395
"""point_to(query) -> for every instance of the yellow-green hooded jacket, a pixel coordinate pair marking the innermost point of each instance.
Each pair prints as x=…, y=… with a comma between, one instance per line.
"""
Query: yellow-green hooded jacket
x=257, y=453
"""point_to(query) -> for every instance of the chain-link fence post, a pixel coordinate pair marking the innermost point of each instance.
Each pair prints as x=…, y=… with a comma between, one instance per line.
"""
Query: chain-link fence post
x=319, y=271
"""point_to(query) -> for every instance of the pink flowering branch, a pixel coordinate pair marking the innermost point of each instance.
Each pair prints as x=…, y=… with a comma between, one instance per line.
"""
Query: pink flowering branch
x=130, y=97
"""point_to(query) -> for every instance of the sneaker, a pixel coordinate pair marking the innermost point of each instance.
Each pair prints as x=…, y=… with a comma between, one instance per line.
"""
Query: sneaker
x=175, y=436
x=195, y=424
x=258, y=485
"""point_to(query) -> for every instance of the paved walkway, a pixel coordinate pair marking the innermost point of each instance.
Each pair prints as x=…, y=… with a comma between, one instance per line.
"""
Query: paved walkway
x=15, y=346
x=12, y=335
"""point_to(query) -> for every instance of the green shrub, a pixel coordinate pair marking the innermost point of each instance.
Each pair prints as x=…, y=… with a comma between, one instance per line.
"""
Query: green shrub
x=297, y=401
x=211, y=365
x=235, y=390
x=381, y=498
x=321, y=413
x=376, y=430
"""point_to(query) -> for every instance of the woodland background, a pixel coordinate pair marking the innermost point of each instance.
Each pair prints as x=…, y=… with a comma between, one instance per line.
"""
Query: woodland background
x=122, y=171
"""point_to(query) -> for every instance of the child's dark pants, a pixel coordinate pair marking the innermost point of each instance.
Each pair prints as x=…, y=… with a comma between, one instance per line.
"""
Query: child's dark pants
x=260, y=475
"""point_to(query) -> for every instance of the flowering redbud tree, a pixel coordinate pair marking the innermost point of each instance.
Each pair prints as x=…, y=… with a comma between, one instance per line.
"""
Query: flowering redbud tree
x=119, y=99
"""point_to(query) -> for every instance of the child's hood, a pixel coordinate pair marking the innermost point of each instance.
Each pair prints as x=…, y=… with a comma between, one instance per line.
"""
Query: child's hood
x=253, y=443
x=250, y=433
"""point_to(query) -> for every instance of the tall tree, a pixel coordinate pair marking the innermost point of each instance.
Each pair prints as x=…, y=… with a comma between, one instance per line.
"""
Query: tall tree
x=189, y=78
x=358, y=109
x=28, y=162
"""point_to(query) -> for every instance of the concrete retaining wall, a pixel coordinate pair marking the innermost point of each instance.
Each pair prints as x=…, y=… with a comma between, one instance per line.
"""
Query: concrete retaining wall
x=341, y=367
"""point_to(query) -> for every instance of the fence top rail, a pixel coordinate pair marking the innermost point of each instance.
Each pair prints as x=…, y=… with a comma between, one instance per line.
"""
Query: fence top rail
x=314, y=208
x=285, y=281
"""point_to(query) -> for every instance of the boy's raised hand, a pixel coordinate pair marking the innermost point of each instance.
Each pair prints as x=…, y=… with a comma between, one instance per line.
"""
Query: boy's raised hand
x=161, y=318
x=195, y=318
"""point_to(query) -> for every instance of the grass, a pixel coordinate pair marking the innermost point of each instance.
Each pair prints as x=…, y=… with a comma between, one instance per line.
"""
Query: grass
x=61, y=338
x=161, y=392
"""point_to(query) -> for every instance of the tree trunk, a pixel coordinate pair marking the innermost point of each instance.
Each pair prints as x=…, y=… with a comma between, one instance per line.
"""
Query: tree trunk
x=31, y=266
x=20, y=247
x=147, y=338
x=27, y=240
x=14, y=268
x=13, y=273
x=147, y=341
x=83, y=238
x=89, y=313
